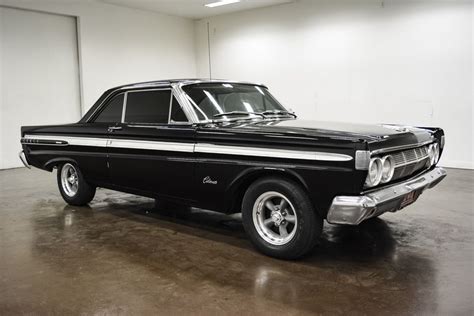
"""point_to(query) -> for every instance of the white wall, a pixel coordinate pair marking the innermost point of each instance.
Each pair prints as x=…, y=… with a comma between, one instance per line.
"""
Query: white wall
x=116, y=46
x=120, y=45
x=406, y=62
x=39, y=82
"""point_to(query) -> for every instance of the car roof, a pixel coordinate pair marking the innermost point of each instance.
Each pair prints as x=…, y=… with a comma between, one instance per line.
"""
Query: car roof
x=168, y=82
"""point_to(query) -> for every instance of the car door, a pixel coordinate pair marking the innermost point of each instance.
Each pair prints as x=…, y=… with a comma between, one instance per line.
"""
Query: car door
x=92, y=137
x=152, y=150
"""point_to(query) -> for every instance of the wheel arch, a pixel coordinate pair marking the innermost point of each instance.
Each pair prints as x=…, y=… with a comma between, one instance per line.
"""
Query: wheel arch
x=242, y=182
x=50, y=164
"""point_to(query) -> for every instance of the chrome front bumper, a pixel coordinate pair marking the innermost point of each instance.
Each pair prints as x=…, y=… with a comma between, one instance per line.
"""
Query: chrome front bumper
x=352, y=210
x=22, y=156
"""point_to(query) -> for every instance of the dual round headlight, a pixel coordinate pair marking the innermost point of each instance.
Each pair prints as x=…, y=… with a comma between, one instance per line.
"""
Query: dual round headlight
x=433, y=153
x=381, y=170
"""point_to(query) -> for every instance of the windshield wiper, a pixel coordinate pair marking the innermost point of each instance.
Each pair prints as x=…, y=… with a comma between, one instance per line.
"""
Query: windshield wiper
x=278, y=112
x=238, y=113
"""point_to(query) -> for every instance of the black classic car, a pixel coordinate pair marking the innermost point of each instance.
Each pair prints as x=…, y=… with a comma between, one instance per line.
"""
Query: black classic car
x=232, y=147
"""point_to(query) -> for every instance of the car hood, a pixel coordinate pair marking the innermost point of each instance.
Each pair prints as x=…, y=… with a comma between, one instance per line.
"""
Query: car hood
x=376, y=135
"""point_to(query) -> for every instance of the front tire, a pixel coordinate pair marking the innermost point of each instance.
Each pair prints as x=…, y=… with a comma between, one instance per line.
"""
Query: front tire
x=73, y=187
x=280, y=219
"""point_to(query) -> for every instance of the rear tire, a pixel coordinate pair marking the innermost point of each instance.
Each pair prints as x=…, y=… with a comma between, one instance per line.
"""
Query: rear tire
x=280, y=219
x=73, y=187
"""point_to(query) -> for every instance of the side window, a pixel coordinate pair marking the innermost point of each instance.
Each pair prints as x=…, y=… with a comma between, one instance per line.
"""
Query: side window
x=112, y=112
x=177, y=114
x=148, y=106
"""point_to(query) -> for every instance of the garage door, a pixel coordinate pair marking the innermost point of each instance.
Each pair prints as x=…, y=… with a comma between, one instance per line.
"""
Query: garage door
x=39, y=75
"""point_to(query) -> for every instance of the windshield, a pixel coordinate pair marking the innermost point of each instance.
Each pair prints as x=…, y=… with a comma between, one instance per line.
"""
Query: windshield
x=225, y=100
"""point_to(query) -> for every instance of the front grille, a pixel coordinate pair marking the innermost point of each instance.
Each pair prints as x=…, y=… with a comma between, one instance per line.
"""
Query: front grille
x=410, y=161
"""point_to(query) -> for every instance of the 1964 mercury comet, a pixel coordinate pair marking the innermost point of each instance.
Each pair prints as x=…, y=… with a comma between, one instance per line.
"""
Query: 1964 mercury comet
x=231, y=147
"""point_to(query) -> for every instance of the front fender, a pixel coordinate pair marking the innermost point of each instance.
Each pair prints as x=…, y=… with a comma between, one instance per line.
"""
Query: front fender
x=237, y=188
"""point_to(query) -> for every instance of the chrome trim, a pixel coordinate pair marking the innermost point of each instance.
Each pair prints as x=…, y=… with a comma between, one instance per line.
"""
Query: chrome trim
x=101, y=105
x=268, y=217
x=170, y=106
x=123, y=90
x=22, y=156
x=269, y=152
x=124, y=106
x=41, y=142
x=199, y=148
x=198, y=81
x=175, y=86
x=185, y=105
x=71, y=140
x=186, y=100
x=142, y=90
x=352, y=210
x=396, y=148
x=151, y=145
x=362, y=159
x=406, y=163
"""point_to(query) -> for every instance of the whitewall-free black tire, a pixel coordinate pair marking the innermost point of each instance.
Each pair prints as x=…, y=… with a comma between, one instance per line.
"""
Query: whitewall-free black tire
x=73, y=187
x=280, y=219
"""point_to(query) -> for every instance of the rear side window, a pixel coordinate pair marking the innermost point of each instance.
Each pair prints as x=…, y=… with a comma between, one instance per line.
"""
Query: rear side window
x=112, y=112
x=148, y=107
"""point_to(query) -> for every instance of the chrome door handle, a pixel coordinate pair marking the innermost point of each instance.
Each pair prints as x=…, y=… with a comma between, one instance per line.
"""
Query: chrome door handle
x=114, y=128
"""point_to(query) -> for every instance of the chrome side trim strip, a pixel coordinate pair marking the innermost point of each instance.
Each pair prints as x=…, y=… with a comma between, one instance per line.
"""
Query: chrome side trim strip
x=71, y=140
x=269, y=152
x=191, y=147
x=151, y=145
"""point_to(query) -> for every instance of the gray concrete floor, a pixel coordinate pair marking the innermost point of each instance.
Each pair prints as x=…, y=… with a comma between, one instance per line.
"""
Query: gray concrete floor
x=119, y=256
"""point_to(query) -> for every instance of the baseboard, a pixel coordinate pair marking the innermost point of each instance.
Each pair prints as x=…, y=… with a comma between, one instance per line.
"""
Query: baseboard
x=457, y=164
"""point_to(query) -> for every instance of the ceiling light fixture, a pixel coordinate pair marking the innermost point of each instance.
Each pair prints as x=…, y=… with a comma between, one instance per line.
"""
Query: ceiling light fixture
x=221, y=3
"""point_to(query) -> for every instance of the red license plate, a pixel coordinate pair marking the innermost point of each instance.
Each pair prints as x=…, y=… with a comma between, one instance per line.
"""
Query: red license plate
x=409, y=199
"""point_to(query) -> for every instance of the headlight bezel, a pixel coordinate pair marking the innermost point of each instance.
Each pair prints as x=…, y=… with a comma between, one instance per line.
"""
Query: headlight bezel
x=433, y=153
x=387, y=174
x=372, y=179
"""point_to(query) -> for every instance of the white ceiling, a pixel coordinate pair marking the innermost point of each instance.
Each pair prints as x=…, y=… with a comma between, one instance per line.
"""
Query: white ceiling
x=193, y=9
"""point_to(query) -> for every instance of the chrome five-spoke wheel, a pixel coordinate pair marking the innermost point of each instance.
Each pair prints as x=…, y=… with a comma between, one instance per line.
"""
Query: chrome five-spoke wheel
x=69, y=180
x=74, y=189
x=279, y=217
x=274, y=218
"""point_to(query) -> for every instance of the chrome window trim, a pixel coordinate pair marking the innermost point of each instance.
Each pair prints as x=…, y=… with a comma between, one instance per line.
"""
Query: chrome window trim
x=124, y=106
x=186, y=99
x=191, y=82
x=170, y=107
x=117, y=92
x=104, y=104
x=172, y=94
x=175, y=86
x=181, y=97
